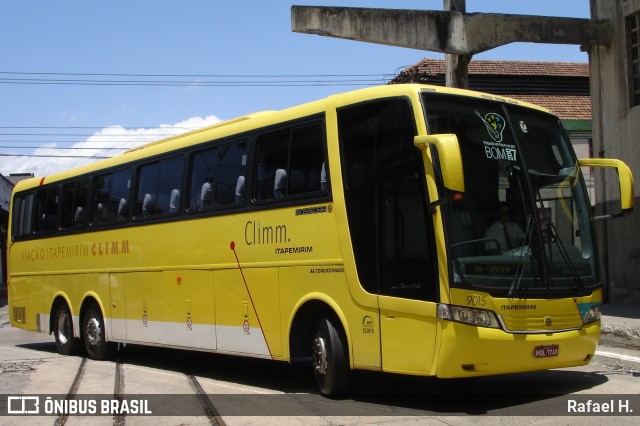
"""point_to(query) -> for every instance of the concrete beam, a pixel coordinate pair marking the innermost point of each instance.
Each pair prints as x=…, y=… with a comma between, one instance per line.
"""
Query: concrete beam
x=445, y=31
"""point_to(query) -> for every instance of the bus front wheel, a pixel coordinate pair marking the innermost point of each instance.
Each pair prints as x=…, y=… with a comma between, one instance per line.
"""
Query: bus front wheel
x=330, y=358
x=66, y=342
x=94, y=334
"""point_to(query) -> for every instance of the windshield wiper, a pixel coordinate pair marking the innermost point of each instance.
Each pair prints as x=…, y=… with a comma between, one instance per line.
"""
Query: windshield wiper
x=554, y=237
x=526, y=242
x=517, y=278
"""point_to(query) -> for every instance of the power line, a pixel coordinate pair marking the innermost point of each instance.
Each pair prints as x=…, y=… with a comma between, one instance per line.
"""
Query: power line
x=133, y=79
x=49, y=141
x=198, y=75
x=96, y=127
x=61, y=147
x=92, y=157
x=191, y=83
x=88, y=134
x=131, y=141
x=219, y=80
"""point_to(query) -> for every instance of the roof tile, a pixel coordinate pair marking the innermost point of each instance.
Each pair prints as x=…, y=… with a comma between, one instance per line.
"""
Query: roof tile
x=485, y=67
x=565, y=106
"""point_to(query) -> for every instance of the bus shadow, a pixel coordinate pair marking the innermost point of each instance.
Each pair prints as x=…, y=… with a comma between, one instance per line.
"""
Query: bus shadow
x=48, y=347
x=534, y=393
x=371, y=393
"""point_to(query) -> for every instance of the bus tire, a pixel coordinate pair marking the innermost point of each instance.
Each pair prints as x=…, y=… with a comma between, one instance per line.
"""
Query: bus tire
x=93, y=333
x=66, y=342
x=330, y=358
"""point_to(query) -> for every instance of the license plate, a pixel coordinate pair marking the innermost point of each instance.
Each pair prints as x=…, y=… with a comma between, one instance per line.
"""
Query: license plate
x=546, y=351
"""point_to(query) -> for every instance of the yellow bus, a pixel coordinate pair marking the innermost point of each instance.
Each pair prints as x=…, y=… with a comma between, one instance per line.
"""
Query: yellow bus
x=354, y=232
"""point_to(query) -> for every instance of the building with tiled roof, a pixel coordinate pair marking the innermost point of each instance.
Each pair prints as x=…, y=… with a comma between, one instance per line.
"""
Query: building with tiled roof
x=562, y=87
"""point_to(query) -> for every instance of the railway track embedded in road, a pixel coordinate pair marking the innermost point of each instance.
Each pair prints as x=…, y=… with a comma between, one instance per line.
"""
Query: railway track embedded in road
x=119, y=393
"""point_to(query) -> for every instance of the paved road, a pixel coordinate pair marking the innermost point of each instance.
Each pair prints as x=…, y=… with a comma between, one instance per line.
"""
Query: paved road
x=183, y=387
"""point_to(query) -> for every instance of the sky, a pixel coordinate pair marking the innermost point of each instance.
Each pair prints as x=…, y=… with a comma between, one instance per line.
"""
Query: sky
x=89, y=79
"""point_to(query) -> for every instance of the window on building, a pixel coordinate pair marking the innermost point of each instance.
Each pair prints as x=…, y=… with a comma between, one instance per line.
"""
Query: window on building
x=633, y=47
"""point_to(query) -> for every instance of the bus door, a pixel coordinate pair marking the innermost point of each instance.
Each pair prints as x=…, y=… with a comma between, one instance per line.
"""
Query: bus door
x=407, y=281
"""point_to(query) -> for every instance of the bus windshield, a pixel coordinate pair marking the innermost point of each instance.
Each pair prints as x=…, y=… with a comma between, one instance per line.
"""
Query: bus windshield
x=522, y=225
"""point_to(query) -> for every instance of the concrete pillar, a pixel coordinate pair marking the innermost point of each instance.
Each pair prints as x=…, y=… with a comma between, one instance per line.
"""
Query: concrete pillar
x=456, y=66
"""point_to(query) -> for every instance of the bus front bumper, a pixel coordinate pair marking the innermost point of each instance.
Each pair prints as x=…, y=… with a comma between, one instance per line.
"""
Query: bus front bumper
x=467, y=351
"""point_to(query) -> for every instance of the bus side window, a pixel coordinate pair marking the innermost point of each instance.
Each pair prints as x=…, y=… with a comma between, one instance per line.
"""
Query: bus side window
x=202, y=164
x=273, y=152
x=158, y=187
x=111, y=197
x=102, y=188
x=74, y=203
x=306, y=160
x=169, y=184
x=22, y=224
x=230, y=167
x=291, y=162
x=147, y=186
x=47, y=209
x=217, y=176
x=119, y=195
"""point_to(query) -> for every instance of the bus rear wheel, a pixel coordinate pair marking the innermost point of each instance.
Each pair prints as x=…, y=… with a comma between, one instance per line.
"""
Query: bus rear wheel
x=66, y=342
x=330, y=359
x=93, y=333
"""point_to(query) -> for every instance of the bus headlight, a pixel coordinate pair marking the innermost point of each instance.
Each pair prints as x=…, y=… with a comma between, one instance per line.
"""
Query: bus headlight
x=470, y=316
x=592, y=315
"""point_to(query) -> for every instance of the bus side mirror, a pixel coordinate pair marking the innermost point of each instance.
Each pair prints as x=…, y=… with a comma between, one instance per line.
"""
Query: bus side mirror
x=625, y=179
x=449, y=157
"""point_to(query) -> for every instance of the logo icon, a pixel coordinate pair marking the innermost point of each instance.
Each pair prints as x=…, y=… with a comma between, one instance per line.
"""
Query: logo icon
x=494, y=123
x=23, y=405
x=368, y=326
x=548, y=322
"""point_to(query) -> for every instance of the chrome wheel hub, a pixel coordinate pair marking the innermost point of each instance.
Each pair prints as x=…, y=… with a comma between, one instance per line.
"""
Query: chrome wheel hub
x=93, y=332
x=320, y=355
x=64, y=328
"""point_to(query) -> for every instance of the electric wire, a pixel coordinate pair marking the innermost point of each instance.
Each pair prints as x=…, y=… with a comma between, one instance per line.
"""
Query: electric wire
x=57, y=138
x=91, y=157
x=72, y=148
x=56, y=134
x=193, y=80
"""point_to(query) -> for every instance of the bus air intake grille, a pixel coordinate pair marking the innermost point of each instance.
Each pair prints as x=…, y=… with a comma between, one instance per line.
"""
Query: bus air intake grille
x=537, y=323
x=19, y=314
